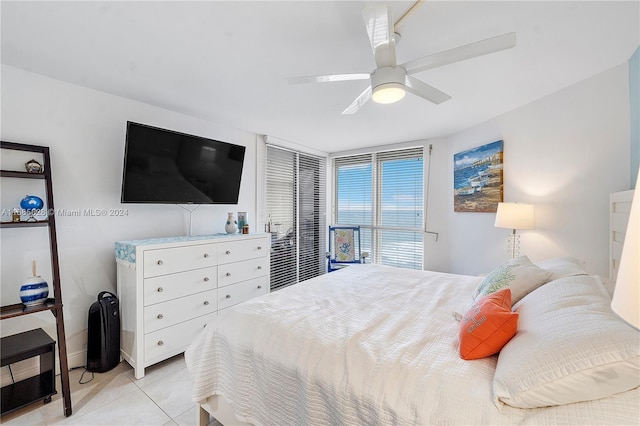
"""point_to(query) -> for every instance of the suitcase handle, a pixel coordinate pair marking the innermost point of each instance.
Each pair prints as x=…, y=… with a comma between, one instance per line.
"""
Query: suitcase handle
x=102, y=293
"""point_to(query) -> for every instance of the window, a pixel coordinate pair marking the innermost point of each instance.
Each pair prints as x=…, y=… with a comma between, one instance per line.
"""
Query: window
x=295, y=208
x=383, y=193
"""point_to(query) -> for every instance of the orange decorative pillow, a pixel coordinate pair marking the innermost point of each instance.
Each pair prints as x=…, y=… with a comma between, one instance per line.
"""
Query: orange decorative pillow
x=487, y=326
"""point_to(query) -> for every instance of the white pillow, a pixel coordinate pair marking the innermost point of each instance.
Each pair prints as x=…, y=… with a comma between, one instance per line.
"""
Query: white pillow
x=519, y=274
x=561, y=267
x=569, y=347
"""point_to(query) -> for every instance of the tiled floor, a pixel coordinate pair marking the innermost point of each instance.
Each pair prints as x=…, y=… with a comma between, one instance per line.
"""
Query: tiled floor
x=161, y=397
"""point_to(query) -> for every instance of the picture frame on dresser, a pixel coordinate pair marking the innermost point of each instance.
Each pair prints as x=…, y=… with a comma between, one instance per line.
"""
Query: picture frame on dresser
x=170, y=288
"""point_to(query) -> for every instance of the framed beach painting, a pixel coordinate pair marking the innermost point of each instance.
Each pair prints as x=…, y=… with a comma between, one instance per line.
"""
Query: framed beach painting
x=477, y=178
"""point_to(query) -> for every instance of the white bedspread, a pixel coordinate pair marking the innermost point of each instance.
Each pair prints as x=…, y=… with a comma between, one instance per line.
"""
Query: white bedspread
x=368, y=344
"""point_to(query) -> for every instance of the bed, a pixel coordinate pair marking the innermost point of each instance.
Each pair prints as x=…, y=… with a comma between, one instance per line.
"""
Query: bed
x=372, y=344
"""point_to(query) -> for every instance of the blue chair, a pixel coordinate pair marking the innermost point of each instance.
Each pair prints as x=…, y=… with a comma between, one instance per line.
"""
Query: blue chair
x=344, y=247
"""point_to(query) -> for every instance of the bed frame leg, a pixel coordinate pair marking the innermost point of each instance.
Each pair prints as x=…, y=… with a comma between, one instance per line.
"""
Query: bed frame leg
x=202, y=416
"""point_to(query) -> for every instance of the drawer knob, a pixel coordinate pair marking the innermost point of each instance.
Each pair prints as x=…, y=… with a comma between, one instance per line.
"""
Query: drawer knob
x=228, y=252
x=259, y=287
x=160, y=289
x=160, y=343
x=259, y=267
x=228, y=274
x=259, y=247
x=206, y=255
x=206, y=302
x=159, y=262
x=206, y=279
x=160, y=316
x=228, y=296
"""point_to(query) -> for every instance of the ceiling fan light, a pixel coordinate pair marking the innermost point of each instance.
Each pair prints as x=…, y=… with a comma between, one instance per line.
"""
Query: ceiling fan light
x=388, y=93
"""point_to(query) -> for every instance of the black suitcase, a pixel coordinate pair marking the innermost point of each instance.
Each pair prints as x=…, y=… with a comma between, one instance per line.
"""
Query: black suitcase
x=103, y=335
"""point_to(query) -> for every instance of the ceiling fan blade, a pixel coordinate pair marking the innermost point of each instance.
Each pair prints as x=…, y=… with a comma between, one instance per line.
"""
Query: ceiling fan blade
x=457, y=54
x=358, y=102
x=379, y=25
x=328, y=78
x=425, y=91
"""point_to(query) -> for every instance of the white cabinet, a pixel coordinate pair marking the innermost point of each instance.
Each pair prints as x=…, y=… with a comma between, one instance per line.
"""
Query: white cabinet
x=170, y=288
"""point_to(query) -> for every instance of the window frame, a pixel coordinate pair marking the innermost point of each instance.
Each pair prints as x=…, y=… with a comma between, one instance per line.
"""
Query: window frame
x=376, y=229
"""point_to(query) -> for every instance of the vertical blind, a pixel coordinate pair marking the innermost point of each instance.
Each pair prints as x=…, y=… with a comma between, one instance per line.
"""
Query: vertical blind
x=295, y=204
x=383, y=193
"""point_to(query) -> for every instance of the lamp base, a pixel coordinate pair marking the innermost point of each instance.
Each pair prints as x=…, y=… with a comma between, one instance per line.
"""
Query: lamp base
x=513, y=245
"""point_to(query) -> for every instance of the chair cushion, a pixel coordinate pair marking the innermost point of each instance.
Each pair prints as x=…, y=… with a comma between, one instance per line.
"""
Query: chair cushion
x=344, y=245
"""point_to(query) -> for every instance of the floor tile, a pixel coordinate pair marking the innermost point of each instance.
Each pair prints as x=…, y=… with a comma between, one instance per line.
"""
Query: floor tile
x=188, y=418
x=132, y=409
x=162, y=397
x=172, y=393
x=93, y=396
x=157, y=371
x=84, y=397
x=28, y=416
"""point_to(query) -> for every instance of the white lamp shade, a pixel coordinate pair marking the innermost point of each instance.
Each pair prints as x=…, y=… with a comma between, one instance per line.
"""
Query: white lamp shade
x=626, y=296
x=515, y=216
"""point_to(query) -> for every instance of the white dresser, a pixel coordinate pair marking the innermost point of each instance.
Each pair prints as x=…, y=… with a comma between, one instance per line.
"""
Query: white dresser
x=170, y=288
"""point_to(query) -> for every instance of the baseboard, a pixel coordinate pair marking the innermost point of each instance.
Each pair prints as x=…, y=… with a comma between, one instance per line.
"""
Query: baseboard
x=31, y=367
x=75, y=360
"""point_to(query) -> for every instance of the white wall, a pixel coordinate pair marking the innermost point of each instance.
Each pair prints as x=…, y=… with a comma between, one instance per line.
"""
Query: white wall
x=85, y=130
x=564, y=153
x=436, y=246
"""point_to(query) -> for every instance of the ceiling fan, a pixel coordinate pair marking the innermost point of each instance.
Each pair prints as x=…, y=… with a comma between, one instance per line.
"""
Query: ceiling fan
x=389, y=81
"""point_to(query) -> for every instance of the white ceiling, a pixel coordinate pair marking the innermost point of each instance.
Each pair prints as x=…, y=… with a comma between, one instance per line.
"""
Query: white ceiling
x=228, y=61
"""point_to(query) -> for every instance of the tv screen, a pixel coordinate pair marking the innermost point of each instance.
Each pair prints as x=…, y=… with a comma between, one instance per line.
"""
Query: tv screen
x=163, y=166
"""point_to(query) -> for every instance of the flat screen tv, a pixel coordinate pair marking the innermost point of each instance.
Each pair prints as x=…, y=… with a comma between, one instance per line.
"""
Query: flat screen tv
x=167, y=167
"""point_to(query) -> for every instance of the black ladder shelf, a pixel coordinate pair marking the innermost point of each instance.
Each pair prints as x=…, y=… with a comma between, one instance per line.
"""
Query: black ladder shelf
x=52, y=304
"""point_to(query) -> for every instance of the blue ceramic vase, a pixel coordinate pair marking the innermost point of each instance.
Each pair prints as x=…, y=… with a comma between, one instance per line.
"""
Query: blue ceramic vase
x=34, y=291
x=31, y=204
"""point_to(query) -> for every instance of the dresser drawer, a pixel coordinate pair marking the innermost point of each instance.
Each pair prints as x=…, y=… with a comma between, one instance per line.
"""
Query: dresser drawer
x=231, y=273
x=167, y=287
x=177, y=259
x=169, y=313
x=236, y=251
x=175, y=339
x=237, y=293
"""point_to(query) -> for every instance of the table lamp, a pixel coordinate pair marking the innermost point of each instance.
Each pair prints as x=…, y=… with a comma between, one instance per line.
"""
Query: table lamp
x=515, y=216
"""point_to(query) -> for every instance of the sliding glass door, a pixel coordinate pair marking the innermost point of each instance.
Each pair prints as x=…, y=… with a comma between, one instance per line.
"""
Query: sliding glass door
x=295, y=211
